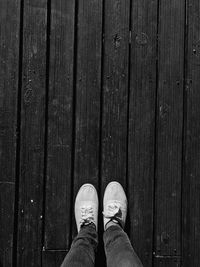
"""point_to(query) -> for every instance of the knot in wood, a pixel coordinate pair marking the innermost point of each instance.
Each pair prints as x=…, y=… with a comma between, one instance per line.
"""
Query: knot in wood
x=117, y=41
x=142, y=38
x=28, y=96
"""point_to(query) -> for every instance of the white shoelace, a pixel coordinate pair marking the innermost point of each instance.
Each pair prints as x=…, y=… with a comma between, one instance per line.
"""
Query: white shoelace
x=112, y=211
x=87, y=215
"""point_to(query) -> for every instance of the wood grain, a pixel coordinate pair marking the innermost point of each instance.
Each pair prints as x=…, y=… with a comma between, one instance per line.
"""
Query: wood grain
x=60, y=124
x=167, y=232
x=191, y=178
x=53, y=258
x=9, y=57
x=141, y=145
x=32, y=134
x=167, y=262
x=88, y=92
x=115, y=91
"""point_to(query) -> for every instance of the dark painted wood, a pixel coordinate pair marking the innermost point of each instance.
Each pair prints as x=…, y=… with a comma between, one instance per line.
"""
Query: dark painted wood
x=169, y=128
x=115, y=91
x=53, y=258
x=90, y=84
x=9, y=56
x=114, y=106
x=191, y=180
x=58, y=185
x=167, y=262
x=88, y=91
x=142, y=126
x=32, y=134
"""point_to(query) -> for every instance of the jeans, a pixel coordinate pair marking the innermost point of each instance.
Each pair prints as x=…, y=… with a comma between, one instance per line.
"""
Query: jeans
x=118, y=249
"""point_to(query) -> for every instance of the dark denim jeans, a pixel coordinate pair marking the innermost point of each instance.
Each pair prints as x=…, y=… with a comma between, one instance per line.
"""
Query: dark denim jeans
x=118, y=249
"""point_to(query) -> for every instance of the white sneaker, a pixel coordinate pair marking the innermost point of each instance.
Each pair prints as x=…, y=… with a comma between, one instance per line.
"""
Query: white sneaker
x=115, y=204
x=86, y=206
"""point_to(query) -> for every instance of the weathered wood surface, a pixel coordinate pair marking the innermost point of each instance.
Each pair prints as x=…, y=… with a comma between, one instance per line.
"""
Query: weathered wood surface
x=141, y=143
x=115, y=92
x=60, y=125
x=114, y=97
x=88, y=94
x=167, y=262
x=53, y=258
x=95, y=91
x=169, y=124
x=191, y=180
x=33, y=98
x=9, y=57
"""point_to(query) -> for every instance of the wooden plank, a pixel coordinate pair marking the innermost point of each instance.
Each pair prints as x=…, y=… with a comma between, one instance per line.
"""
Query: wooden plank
x=53, y=258
x=169, y=127
x=88, y=89
x=9, y=56
x=191, y=181
x=114, y=106
x=32, y=134
x=115, y=91
x=7, y=221
x=167, y=262
x=58, y=185
x=142, y=126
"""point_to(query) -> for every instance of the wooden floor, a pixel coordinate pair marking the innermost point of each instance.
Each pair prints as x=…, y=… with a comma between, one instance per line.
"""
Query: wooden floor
x=95, y=91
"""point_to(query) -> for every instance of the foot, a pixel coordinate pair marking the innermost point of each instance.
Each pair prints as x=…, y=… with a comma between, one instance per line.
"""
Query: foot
x=115, y=205
x=86, y=206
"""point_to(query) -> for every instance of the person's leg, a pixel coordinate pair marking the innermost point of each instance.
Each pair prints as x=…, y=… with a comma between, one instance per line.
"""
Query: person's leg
x=119, y=252
x=82, y=252
x=118, y=249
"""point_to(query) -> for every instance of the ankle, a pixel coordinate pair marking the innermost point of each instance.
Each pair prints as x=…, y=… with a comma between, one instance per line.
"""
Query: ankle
x=111, y=223
x=90, y=225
